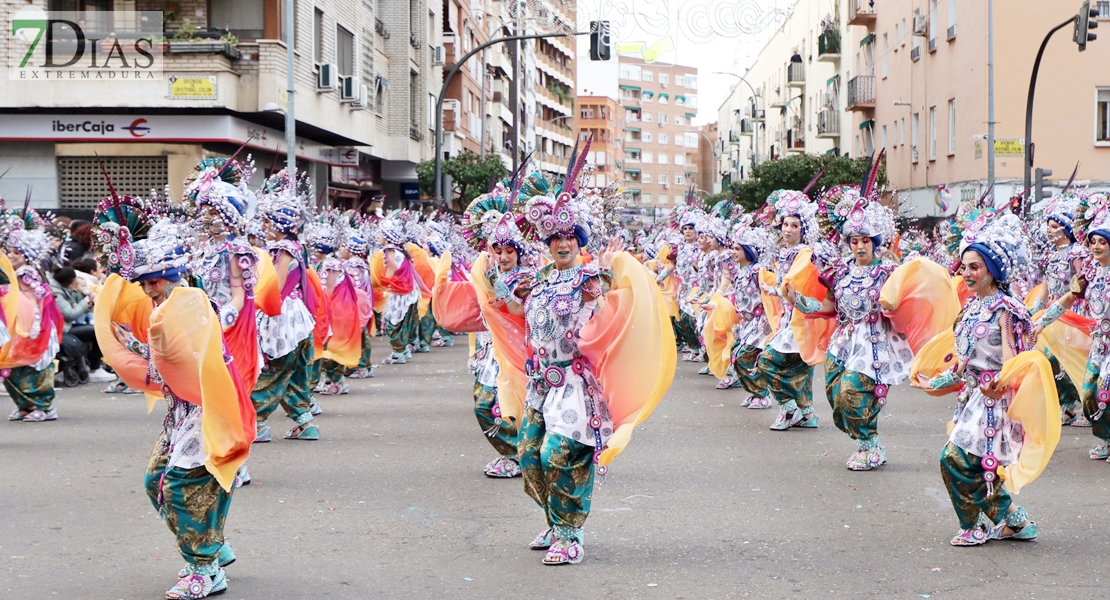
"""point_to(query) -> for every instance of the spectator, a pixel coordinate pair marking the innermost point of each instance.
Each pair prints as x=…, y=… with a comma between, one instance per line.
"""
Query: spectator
x=796, y=58
x=75, y=304
x=90, y=278
x=79, y=242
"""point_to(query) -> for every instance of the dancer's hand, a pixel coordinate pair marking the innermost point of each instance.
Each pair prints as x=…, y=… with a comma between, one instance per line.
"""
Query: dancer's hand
x=605, y=261
x=920, y=382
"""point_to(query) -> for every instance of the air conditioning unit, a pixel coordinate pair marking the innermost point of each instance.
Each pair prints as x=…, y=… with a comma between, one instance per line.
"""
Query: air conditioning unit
x=666, y=186
x=328, y=77
x=440, y=55
x=919, y=25
x=348, y=89
x=360, y=100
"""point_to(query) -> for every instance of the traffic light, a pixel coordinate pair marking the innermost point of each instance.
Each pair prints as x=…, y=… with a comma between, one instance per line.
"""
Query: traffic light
x=1083, y=24
x=1039, y=194
x=599, y=40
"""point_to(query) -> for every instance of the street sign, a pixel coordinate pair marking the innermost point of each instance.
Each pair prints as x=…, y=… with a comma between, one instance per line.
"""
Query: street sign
x=1002, y=147
x=187, y=87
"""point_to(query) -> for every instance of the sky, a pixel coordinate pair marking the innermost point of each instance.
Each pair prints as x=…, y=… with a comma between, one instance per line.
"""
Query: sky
x=712, y=35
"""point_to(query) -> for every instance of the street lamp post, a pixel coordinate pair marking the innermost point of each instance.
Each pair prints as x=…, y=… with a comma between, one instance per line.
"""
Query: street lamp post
x=755, y=117
x=290, y=118
x=443, y=92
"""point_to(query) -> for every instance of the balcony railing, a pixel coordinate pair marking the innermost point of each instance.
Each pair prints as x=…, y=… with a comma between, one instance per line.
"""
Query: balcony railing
x=828, y=45
x=861, y=92
x=861, y=12
x=746, y=127
x=795, y=73
x=1103, y=7
x=828, y=123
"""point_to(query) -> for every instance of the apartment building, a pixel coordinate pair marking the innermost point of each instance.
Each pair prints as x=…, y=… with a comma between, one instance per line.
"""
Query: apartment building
x=919, y=89
x=364, y=99
x=709, y=178
x=601, y=119
x=553, y=90
x=660, y=141
x=792, y=93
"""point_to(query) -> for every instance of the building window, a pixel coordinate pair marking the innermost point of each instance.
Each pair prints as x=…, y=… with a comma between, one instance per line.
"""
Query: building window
x=646, y=116
x=345, y=51
x=951, y=19
x=884, y=136
x=932, y=133
x=663, y=158
x=663, y=178
x=647, y=137
x=647, y=198
x=662, y=138
x=243, y=18
x=318, y=36
x=896, y=38
x=663, y=119
x=679, y=179
x=934, y=23
x=905, y=32
x=680, y=159
x=678, y=199
x=414, y=100
x=915, y=136
x=1102, y=116
x=886, y=49
x=647, y=157
x=952, y=127
x=663, y=77
x=647, y=177
x=646, y=76
x=902, y=132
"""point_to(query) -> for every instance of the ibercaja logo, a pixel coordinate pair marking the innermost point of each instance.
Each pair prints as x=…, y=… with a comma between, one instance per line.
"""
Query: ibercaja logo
x=84, y=46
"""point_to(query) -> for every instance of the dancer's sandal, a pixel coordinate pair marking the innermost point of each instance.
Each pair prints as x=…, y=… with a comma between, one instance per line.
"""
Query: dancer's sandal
x=760, y=402
x=262, y=434
x=1099, y=453
x=704, y=370
x=194, y=586
x=308, y=432
x=977, y=535
x=1080, y=421
x=503, y=468
x=1012, y=522
x=543, y=540
x=17, y=415
x=728, y=382
x=38, y=416
x=225, y=558
x=810, y=423
x=564, y=552
x=786, y=420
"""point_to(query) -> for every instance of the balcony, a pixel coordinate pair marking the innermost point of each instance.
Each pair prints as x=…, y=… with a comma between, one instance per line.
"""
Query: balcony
x=828, y=124
x=915, y=54
x=828, y=46
x=796, y=74
x=746, y=127
x=861, y=93
x=861, y=12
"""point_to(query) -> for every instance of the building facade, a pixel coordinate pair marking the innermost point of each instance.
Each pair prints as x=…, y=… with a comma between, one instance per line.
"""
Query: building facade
x=792, y=94
x=364, y=98
x=660, y=141
x=600, y=119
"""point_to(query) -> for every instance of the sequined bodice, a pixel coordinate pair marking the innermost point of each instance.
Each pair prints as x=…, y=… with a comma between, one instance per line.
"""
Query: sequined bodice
x=213, y=268
x=1059, y=269
x=857, y=290
x=556, y=297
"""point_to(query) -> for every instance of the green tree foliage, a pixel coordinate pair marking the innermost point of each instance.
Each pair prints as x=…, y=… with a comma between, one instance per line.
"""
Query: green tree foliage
x=794, y=173
x=471, y=176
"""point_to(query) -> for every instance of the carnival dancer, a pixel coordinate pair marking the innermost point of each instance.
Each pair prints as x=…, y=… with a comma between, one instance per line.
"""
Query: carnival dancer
x=1089, y=292
x=865, y=356
x=1005, y=426
x=207, y=436
x=393, y=270
x=712, y=235
x=686, y=271
x=353, y=251
x=323, y=238
x=492, y=227
x=752, y=249
x=286, y=340
x=34, y=324
x=785, y=373
x=1066, y=258
x=576, y=401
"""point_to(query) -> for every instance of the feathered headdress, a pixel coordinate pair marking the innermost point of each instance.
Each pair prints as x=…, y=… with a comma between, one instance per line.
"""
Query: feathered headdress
x=221, y=184
x=758, y=242
x=1093, y=216
x=844, y=212
x=163, y=254
x=997, y=235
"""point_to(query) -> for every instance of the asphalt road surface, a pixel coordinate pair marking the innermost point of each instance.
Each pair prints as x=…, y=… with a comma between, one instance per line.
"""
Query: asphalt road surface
x=705, y=503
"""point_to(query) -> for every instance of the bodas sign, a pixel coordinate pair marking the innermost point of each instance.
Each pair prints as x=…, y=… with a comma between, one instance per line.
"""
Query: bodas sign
x=95, y=46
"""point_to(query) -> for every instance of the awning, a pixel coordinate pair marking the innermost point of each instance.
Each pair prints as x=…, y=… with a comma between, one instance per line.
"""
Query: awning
x=630, y=87
x=631, y=170
x=868, y=124
x=664, y=95
x=636, y=150
x=691, y=116
x=633, y=192
x=867, y=39
x=631, y=107
x=636, y=129
x=832, y=80
x=648, y=93
x=680, y=97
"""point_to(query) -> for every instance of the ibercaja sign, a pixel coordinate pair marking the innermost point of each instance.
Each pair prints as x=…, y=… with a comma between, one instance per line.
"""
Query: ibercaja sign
x=84, y=46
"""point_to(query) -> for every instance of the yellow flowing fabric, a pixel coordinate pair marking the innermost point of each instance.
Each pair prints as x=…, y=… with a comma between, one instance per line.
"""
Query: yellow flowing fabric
x=811, y=332
x=920, y=300
x=186, y=344
x=349, y=314
x=509, y=344
x=267, y=295
x=772, y=305
x=20, y=310
x=1069, y=340
x=424, y=266
x=124, y=303
x=377, y=271
x=719, y=336
x=935, y=357
x=455, y=303
x=1035, y=405
x=1031, y=297
x=627, y=340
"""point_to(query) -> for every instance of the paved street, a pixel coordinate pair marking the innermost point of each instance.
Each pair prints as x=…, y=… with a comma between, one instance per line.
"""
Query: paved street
x=392, y=503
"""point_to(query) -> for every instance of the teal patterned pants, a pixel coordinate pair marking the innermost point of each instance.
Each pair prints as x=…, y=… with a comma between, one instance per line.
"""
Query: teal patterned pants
x=333, y=371
x=403, y=333
x=1099, y=427
x=1069, y=396
x=852, y=397
x=505, y=436
x=685, y=330
x=31, y=389
x=788, y=377
x=963, y=478
x=744, y=362
x=426, y=326
x=558, y=475
x=285, y=381
x=191, y=503
x=364, y=362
